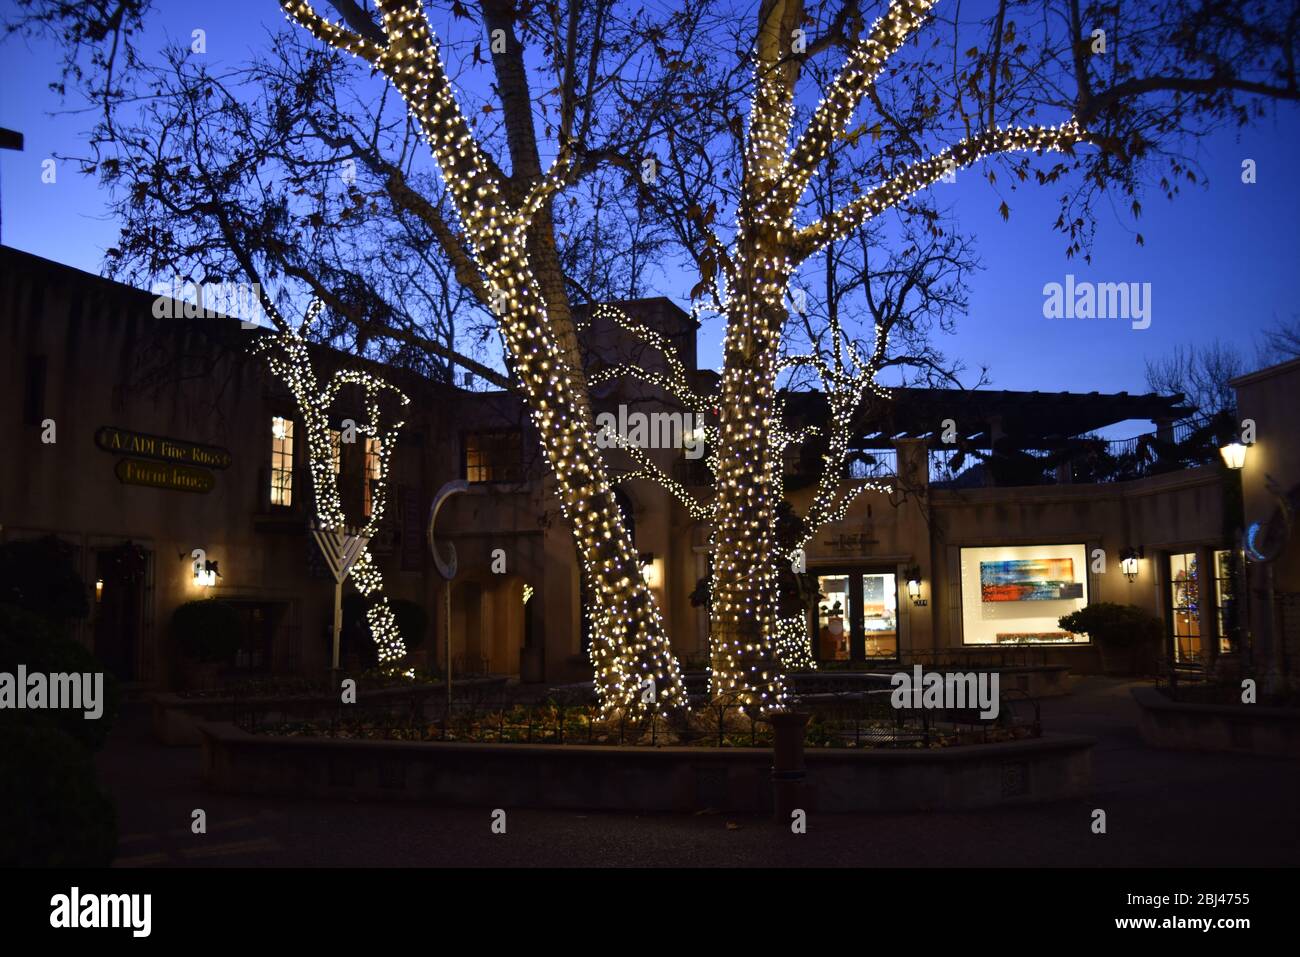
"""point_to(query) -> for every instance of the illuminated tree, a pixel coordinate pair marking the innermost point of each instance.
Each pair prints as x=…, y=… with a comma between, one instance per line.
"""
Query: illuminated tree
x=288, y=356
x=742, y=112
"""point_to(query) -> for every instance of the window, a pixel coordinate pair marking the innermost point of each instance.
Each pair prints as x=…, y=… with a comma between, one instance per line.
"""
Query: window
x=857, y=616
x=336, y=450
x=880, y=615
x=1184, y=603
x=493, y=456
x=371, y=473
x=1225, y=601
x=833, y=631
x=281, y=461
x=1015, y=594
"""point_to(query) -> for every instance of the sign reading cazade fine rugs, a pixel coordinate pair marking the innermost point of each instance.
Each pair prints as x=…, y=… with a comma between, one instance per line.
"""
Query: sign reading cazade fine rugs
x=178, y=465
x=157, y=447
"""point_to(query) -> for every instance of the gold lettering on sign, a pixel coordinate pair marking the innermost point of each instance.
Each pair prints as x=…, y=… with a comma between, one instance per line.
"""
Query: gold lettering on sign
x=180, y=478
x=112, y=439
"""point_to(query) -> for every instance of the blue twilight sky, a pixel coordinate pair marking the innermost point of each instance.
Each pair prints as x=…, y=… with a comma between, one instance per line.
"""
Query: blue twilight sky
x=1221, y=260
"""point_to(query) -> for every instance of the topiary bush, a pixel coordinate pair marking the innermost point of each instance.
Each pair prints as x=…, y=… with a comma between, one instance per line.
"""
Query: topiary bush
x=1110, y=623
x=26, y=639
x=1119, y=631
x=53, y=811
x=208, y=630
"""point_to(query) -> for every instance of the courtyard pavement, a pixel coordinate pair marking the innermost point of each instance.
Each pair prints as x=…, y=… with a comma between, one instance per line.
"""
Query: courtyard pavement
x=1163, y=809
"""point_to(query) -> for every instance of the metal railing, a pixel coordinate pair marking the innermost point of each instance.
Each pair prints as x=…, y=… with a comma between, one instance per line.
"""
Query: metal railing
x=839, y=719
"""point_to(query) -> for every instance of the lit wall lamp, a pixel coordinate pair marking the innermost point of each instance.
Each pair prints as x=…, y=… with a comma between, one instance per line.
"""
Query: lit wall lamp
x=913, y=576
x=1234, y=455
x=1128, y=562
x=206, y=576
x=99, y=590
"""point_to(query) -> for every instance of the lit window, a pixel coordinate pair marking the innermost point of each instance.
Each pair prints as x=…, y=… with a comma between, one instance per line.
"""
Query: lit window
x=281, y=461
x=1185, y=606
x=336, y=450
x=1225, y=601
x=372, y=473
x=493, y=456
x=1017, y=594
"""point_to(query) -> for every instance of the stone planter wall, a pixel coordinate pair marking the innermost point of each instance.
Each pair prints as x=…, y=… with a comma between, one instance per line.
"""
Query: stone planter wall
x=595, y=777
x=176, y=718
x=1245, y=728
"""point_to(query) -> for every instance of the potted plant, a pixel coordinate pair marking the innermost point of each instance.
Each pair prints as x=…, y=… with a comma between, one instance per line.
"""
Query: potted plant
x=1127, y=637
x=207, y=633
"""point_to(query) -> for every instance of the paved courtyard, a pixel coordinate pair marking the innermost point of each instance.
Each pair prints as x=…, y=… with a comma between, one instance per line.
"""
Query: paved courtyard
x=1164, y=808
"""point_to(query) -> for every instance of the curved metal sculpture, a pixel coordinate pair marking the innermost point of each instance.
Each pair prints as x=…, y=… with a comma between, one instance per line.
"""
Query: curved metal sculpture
x=446, y=569
x=1265, y=541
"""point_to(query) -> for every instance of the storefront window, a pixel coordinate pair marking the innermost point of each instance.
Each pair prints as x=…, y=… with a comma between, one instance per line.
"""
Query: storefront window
x=1225, y=601
x=880, y=615
x=1016, y=594
x=857, y=616
x=1185, y=606
x=833, y=618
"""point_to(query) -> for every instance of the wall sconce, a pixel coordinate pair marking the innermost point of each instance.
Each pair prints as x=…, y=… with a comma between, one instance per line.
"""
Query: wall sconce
x=99, y=590
x=650, y=569
x=1128, y=562
x=913, y=576
x=206, y=575
x=1234, y=455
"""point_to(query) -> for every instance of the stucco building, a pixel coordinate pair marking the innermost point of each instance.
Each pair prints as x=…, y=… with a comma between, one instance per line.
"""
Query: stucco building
x=170, y=436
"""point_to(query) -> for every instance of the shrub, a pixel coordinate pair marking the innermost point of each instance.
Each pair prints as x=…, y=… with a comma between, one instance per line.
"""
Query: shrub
x=38, y=576
x=1111, y=624
x=208, y=630
x=53, y=811
x=29, y=640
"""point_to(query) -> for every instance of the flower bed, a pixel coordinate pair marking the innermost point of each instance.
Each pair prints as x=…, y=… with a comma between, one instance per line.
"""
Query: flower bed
x=664, y=778
x=176, y=716
x=712, y=726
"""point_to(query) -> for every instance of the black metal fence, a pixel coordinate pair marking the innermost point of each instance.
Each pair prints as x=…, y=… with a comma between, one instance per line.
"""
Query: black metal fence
x=843, y=718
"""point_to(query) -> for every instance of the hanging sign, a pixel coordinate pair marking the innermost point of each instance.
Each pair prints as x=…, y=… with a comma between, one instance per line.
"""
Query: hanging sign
x=178, y=478
x=180, y=451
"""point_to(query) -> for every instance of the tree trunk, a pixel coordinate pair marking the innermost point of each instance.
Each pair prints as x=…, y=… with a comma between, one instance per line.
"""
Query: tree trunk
x=743, y=662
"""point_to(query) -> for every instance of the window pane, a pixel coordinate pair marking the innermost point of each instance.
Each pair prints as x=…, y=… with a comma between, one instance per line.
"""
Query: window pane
x=1184, y=601
x=493, y=456
x=1017, y=594
x=371, y=472
x=833, y=618
x=880, y=615
x=281, y=461
x=1225, y=605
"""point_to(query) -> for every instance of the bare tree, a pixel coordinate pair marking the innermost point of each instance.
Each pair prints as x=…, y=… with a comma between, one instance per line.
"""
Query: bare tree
x=726, y=121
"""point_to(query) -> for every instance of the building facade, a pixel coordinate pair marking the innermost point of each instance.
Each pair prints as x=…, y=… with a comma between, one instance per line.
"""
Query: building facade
x=173, y=464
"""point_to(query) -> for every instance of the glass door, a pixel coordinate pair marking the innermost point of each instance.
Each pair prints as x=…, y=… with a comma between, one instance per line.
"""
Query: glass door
x=856, y=617
x=834, y=629
x=880, y=615
x=1185, y=607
